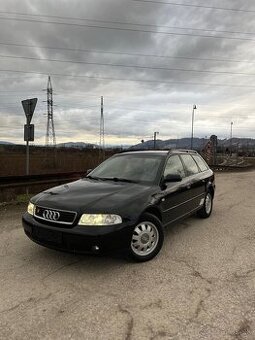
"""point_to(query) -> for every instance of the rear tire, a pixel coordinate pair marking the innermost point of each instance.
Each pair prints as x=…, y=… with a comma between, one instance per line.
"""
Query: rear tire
x=206, y=210
x=147, y=238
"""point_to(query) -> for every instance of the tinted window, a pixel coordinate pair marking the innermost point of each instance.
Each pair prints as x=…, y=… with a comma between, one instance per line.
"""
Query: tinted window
x=190, y=165
x=174, y=167
x=200, y=162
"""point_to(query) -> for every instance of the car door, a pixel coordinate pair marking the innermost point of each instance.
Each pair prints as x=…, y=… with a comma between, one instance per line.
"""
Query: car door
x=196, y=189
x=174, y=194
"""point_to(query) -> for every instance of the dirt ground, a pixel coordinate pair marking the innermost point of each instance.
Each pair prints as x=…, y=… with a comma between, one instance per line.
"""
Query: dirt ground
x=201, y=285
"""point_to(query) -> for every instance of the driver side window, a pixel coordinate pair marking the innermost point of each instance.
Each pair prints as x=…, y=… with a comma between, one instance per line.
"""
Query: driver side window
x=174, y=167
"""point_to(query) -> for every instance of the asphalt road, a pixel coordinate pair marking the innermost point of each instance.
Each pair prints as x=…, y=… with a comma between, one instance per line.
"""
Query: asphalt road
x=201, y=285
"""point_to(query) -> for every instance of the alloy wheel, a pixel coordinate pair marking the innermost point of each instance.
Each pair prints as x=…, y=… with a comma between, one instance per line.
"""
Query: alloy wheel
x=208, y=203
x=144, y=239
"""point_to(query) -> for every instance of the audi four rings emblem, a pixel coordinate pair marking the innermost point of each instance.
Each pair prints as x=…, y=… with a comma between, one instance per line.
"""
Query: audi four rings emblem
x=51, y=215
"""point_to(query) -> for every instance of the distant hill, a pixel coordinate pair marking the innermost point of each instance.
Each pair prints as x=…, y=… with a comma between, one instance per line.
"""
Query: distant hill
x=82, y=145
x=6, y=143
x=183, y=143
x=77, y=145
x=198, y=143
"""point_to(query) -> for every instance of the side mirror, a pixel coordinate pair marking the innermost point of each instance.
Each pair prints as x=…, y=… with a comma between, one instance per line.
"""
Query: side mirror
x=172, y=178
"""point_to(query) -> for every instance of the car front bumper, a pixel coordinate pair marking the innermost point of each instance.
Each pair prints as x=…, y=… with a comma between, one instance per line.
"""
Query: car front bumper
x=78, y=239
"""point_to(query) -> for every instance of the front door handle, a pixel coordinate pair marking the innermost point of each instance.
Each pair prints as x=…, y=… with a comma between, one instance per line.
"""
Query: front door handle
x=188, y=186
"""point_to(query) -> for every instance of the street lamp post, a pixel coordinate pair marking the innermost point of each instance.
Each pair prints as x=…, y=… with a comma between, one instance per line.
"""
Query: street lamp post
x=155, y=139
x=231, y=135
x=192, y=126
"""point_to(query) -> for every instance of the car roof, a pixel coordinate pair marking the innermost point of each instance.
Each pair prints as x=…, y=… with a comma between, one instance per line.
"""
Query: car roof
x=159, y=152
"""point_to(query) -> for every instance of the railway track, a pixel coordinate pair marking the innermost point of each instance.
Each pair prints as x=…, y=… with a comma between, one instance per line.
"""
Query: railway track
x=63, y=177
x=231, y=167
x=11, y=186
x=31, y=180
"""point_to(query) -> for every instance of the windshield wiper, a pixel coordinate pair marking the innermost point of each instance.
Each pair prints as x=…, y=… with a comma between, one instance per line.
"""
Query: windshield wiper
x=92, y=177
x=118, y=179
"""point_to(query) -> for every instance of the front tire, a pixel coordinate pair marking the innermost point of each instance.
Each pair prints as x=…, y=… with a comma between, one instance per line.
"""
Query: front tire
x=147, y=238
x=206, y=210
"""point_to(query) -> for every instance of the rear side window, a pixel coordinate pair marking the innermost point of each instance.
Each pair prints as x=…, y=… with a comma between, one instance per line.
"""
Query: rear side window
x=200, y=162
x=190, y=165
x=174, y=167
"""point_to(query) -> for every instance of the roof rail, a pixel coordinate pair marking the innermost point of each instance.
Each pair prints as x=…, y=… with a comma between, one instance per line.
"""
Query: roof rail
x=144, y=150
x=185, y=151
x=166, y=150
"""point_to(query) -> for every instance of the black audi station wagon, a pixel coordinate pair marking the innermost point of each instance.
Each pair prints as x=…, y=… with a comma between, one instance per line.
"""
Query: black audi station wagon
x=125, y=203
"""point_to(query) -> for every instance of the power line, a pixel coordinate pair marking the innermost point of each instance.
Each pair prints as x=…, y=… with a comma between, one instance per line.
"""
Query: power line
x=196, y=6
x=171, y=103
x=10, y=91
x=179, y=125
x=130, y=80
x=160, y=120
x=124, y=23
x=158, y=68
x=28, y=93
x=212, y=114
x=3, y=78
x=129, y=29
x=129, y=53
x=112, y=106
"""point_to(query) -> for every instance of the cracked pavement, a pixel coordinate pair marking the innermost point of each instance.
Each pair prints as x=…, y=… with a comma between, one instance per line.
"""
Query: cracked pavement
x=201, y=285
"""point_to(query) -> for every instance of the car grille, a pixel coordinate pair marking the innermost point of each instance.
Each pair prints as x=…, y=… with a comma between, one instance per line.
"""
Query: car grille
x=55, y=215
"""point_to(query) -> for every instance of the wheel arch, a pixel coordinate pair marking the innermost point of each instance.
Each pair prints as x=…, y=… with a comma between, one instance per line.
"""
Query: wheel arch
x=210, y=188
x=154, y=211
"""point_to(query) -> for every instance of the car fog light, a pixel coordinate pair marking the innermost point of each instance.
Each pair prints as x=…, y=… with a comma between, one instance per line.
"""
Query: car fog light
x=30, y=208
x=99, y=219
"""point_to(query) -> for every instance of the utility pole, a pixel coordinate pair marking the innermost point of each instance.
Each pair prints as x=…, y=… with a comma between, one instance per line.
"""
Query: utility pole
x=231, y=135
x=155, y=139
x=50, y=138
x=101, y=141
x=192, y=126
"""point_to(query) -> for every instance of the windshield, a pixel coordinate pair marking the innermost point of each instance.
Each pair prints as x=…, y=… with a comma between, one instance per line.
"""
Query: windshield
x=133, y=168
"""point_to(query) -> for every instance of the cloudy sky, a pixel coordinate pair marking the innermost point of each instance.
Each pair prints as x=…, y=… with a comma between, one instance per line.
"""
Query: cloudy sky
x=150, y=60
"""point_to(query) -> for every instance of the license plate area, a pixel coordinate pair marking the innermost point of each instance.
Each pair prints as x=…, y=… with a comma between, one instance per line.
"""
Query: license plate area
x=47, y=235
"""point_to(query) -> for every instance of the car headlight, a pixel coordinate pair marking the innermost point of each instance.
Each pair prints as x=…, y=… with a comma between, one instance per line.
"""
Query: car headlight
x=99, y=219
x=30, y=208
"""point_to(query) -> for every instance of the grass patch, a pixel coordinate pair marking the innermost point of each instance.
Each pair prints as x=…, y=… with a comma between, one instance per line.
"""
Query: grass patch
x=19, y=199
x=23, y=198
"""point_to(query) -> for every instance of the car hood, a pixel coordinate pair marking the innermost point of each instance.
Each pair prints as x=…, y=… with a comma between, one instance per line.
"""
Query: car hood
x=92, y=195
